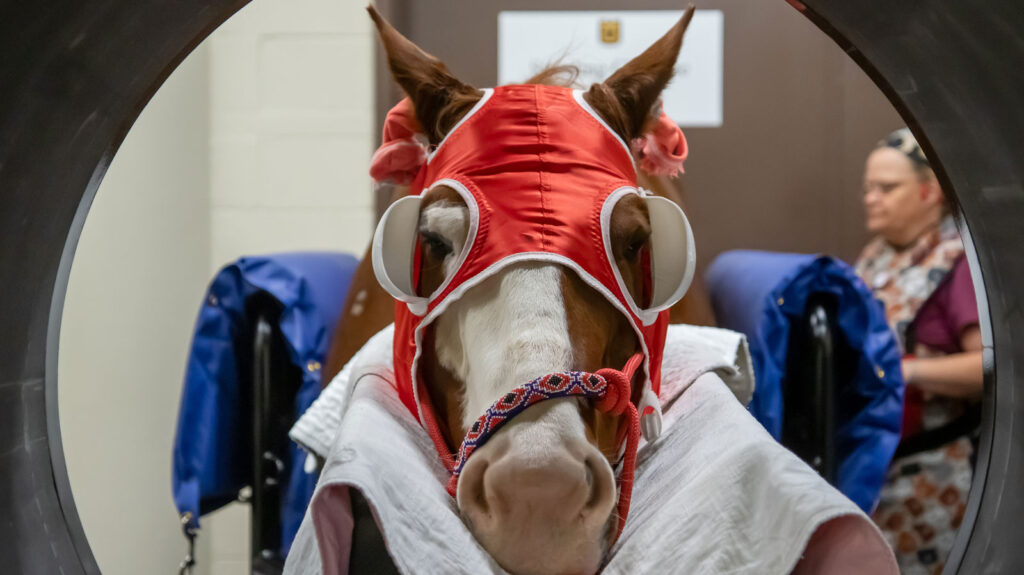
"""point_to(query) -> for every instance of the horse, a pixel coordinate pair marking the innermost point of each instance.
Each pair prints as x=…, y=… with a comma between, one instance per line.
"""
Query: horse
x=541, y=495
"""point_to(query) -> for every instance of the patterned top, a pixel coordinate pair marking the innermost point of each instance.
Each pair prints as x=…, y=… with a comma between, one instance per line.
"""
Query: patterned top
x=903, y=280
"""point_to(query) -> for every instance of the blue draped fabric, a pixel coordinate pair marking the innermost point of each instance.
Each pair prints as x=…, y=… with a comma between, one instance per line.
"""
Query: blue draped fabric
x=213, y=443
x=761, y=294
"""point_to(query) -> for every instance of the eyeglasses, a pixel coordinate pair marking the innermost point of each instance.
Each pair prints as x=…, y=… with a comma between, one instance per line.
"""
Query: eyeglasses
x=883, y=187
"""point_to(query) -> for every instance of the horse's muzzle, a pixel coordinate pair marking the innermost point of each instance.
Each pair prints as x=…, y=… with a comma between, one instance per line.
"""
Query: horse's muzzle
x=540, y=506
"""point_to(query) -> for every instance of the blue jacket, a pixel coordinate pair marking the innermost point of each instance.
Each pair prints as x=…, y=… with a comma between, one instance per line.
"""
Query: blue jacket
x=213, y=444
x=760, y=294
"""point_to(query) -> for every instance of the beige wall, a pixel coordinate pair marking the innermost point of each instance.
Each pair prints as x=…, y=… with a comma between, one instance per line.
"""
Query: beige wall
x=140, y=268
x=291, y=114
x=291, y=120
x=258, y=143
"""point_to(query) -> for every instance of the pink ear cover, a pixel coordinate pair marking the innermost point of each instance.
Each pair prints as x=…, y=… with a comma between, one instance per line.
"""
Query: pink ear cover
x=663, y=149
x=402, y=151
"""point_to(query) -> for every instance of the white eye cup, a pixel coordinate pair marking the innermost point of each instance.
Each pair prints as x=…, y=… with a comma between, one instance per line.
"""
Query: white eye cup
x=394, y=249
x=673, y=255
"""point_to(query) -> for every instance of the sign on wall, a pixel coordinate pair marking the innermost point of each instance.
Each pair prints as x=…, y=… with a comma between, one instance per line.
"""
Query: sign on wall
x=598, y=43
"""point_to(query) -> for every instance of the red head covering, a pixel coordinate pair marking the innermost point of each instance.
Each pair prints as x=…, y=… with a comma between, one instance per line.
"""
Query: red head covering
x=540, y=173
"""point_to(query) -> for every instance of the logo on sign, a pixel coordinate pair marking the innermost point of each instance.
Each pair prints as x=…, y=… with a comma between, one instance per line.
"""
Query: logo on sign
x=609, y=31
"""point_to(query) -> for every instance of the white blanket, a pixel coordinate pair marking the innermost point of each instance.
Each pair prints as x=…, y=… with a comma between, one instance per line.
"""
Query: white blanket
x=714, y=494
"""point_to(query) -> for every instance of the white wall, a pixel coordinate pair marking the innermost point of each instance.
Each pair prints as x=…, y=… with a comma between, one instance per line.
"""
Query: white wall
x=291, y=120
x=291, y=114
x=140, y=269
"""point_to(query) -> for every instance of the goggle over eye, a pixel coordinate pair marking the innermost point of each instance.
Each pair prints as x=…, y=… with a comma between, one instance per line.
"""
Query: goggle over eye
x=667, y=258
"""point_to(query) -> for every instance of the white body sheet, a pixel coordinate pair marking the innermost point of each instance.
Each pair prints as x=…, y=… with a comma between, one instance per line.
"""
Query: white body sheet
x=714, y=494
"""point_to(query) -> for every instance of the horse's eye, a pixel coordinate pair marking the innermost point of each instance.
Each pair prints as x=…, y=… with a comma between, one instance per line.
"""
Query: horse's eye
x=437, y=245
x=633, y=248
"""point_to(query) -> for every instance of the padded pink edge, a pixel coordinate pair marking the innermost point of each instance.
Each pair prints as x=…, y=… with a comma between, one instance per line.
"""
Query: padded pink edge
x=847, y=545
x=333, y=524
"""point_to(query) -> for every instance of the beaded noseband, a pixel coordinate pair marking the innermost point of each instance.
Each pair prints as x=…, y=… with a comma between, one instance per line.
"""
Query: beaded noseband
x=609, y=388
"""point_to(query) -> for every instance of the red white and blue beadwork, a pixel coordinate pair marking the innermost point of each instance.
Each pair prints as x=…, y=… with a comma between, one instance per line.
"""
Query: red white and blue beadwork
x=551, y=386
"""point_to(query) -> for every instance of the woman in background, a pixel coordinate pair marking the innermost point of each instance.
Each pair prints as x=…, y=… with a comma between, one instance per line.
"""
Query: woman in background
x=916, y=267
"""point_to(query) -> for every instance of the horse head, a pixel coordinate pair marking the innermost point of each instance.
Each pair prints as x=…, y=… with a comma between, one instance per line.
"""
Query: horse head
x=526, y=249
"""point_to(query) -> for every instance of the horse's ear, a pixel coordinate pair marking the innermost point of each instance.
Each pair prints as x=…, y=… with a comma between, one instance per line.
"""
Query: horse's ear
x=439, y=98
x=626, y=98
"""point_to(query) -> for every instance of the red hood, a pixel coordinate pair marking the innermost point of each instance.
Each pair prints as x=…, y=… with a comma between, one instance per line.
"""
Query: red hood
x=540, y=172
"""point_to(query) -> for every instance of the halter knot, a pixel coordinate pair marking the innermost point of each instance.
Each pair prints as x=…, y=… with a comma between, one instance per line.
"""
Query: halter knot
x=616, y=394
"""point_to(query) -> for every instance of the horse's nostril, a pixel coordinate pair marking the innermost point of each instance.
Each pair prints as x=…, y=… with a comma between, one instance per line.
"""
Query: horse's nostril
x=600, y=485
x=472, y=493
x=480, y=494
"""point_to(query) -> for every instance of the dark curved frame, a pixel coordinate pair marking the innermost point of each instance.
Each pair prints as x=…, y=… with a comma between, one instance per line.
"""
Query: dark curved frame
x=75, y=75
